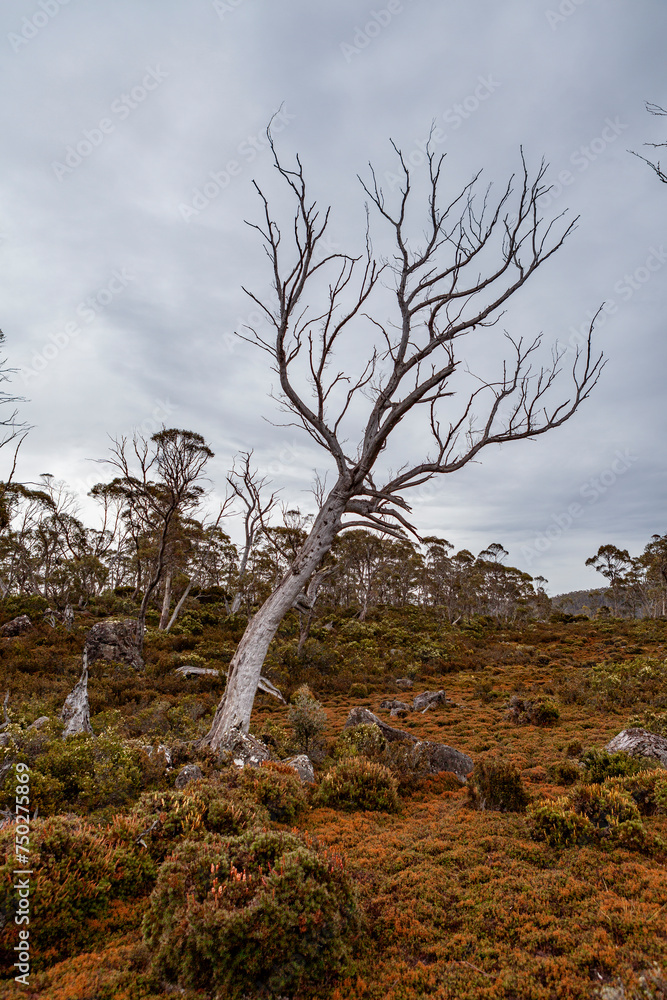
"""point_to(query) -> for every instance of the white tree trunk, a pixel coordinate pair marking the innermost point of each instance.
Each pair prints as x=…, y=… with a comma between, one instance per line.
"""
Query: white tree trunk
x=166, y=602
x=245, y=670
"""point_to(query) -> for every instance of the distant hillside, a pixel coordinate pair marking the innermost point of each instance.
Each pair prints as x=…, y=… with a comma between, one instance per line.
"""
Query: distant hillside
x=580, y=602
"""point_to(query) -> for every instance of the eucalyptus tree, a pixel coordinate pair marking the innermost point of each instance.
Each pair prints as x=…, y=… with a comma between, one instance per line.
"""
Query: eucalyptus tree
x=160, y=482
x=457, y=262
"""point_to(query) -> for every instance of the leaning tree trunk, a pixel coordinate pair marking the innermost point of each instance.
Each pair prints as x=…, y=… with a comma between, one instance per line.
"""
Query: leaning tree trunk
x=245, y=670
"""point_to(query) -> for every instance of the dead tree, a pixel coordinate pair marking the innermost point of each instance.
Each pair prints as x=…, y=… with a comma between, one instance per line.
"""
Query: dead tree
x=660, y=171
x=447, y=282
x=250, y=490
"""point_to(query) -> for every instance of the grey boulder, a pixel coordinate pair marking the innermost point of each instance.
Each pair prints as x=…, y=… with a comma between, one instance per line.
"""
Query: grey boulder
x=303, y=766
x=191, y=772
x=640, y=743
x=114, y=640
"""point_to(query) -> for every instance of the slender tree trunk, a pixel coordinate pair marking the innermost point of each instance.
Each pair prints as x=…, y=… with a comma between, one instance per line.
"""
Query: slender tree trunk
x=166, y=602
x=245, y=670
x=177, y=609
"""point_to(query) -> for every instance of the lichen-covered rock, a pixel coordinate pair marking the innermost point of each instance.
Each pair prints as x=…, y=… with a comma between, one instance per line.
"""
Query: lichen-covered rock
x=242, y=749
x=114, y=640
x=428, y=699
x=303, y=766
x=394, y=705
x=440, y=756
x=17, y=626
x=640, y=743
x=363, y=716
x=191, y=772
x=404, y=682
x=444, y=758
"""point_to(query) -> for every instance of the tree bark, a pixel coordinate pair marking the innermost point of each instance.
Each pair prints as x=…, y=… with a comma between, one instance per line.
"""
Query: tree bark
x=166, y=602
x=245, y=670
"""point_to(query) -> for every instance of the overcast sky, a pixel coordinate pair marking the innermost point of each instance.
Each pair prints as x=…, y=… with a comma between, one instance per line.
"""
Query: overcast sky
x=123, y=256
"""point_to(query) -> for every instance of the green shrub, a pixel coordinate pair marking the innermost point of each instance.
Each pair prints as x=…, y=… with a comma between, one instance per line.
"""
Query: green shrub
x=602, y=805
x=496, y=784
x=277, y=787
x=201, y=807
x=77, y=874
x=648, y=789
x=558, y=824
x=407, y=762
x=308, y=721
x=261, y=912
x=593, y=814
x=600, y=765
x=358, y=691
x=652, y=722
x=366, y=739
x=358, y=783
x=280, y=742
x=642, y=679
x=84, y=773
x=564, y=772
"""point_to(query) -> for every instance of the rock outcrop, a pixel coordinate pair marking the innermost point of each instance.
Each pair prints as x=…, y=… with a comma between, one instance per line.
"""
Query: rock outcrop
x=428, y=699
x=76, y=712
x=242, y=749
x=191, y=772
x=640, y=743
x=114, y=640
x=303, y=766
x=440, y=756
x=17, y=626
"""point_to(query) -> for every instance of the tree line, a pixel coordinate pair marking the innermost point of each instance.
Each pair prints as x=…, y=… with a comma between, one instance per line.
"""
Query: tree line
x=154, y=545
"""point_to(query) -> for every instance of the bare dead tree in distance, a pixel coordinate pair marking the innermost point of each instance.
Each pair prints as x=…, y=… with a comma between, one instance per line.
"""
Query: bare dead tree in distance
x=443, y=289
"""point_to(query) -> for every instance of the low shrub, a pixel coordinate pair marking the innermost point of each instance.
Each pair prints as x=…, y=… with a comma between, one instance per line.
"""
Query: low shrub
x=564, y=772
x=648, y=788
x=277, y=787
x=642, y=679
x=308, y=721
x=496, y=784
x=358, y=783
x=407, y=761
x=202, y=807
x=558, y=824
x=278, y=740
x=84, y=773
x=652, y=722
x=600, y=764
x=593, y=814
x=78, y=873
x=358, y=691
x=540, y=712
x=261, y=912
